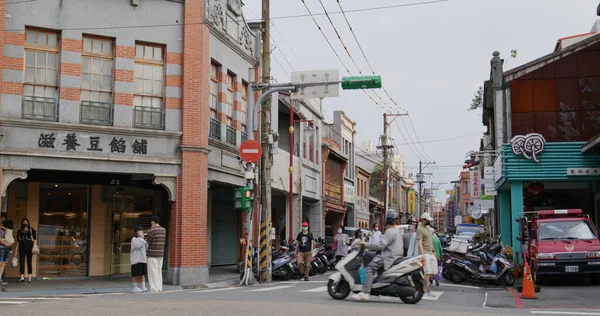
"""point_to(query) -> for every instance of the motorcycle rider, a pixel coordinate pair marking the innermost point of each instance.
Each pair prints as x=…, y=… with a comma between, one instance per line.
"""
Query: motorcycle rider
x=390, y=247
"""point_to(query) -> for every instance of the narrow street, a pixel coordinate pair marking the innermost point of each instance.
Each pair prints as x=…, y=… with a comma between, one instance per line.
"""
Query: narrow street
x=308, y=298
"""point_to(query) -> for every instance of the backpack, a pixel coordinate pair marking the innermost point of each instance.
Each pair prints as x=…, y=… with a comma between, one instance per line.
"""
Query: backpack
x=8, y=236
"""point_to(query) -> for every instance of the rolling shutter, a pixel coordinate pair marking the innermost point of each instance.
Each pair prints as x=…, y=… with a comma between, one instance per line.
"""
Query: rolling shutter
x=224, y=233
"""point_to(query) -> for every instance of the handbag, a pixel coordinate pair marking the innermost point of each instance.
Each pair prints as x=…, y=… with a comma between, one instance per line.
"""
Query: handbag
x=334, y=245
x=15, y=261
x=35, y=249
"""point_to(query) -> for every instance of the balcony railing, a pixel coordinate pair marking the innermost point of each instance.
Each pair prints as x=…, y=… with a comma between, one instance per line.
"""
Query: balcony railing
x=39, y=108
x=244, y=136
x=148, y=117
x=97, y=113
x=230, y=136
x=214, y=130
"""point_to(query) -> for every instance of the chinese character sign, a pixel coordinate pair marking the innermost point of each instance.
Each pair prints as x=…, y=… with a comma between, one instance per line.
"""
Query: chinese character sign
x=475, y=185
x=75, y=142
x=450, y=214
x=412, y=201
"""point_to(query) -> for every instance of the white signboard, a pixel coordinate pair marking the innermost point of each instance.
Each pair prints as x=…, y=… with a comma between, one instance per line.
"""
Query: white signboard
x=498, y=168
x=490, y=189
x=457, y=220
x=489, y=173
x=314, y=76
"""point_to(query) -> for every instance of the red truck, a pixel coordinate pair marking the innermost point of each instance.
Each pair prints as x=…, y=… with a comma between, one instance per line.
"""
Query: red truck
x=560, y=243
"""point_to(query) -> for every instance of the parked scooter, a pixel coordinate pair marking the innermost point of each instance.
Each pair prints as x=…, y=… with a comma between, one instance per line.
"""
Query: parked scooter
x=281, y=266
x=404, y=279
x=484, y=264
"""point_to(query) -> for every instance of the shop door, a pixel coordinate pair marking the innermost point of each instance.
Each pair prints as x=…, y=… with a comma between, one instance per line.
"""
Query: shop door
x=129, y=210
x=224, y=235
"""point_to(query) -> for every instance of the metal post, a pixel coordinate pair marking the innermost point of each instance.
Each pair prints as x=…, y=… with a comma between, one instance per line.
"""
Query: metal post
x=420, y=181
x=386, y=164
x=291, y=171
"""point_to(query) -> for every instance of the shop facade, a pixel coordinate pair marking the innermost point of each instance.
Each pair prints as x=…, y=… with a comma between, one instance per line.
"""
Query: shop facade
x=100, y=132
x=334, y=208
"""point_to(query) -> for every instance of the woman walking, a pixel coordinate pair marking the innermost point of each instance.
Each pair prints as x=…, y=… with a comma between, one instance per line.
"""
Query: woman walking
x=26, y=238
x=342, y=241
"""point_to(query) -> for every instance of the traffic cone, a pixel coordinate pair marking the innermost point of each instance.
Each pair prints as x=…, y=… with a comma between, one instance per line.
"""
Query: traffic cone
x=528, y=291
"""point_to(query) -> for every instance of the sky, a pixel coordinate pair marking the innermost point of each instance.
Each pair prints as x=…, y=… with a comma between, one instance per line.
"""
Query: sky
x=432, y=58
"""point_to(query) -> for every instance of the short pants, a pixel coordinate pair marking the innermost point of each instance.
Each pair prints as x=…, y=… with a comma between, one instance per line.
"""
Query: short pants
x=430, y=266
x=139, y=269
x=4, y=254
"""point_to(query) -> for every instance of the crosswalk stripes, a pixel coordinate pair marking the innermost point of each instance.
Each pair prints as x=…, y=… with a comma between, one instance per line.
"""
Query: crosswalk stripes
x=315, y=290
x=274, y=288
x=7, y=301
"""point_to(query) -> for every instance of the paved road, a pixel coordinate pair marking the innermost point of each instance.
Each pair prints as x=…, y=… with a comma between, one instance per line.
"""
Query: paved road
x=310, y=298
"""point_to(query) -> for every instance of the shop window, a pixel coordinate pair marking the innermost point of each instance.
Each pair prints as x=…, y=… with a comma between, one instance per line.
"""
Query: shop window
x=63, y=230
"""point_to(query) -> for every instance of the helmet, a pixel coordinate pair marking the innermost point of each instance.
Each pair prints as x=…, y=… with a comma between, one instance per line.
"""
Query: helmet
x=391, y=217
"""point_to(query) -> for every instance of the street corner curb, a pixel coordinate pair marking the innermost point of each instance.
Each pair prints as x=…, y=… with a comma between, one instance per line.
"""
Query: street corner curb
x=224, y=283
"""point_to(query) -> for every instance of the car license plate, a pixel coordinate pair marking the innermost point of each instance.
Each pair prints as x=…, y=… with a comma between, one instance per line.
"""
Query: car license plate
x=572, y=269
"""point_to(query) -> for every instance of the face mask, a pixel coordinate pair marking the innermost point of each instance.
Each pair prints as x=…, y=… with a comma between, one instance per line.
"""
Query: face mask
x=376, y=229
x=339, y=231
x=140, y=233
x=24, y=226
x=304, y=228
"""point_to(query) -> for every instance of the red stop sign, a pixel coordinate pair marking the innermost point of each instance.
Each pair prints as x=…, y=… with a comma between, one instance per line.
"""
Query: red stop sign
x=250, y=151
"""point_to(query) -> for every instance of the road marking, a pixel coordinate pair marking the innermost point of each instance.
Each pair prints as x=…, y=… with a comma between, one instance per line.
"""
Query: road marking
x=435, y=297
x=301, y=282
x=515, y=295
x=280, y=287
x=485, y=300
x=461, y=286
x=219, y=290
x=35, y=298
x=318, y=289
x=13, y=302
x=565, y=313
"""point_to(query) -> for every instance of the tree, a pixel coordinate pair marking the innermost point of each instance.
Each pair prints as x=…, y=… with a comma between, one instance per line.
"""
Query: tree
x=477, y=101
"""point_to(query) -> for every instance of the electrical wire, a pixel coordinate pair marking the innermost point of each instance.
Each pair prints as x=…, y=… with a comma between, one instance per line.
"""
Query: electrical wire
x=280, y=65
x=439, y=139
x=361, y=10
x=363, y=53
x=421, y=144
x=338, y=55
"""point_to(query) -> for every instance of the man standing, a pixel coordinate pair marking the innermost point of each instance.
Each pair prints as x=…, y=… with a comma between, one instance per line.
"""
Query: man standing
x=425, y=245
x=156, y=238
x=304, y=247
x=390, y=248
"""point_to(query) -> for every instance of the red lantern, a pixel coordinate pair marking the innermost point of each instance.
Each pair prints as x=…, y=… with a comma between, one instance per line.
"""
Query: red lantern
x=535, y=187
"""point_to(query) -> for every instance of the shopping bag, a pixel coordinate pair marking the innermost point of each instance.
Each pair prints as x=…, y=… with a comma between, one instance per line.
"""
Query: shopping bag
x=15, y=261
x=438, y=276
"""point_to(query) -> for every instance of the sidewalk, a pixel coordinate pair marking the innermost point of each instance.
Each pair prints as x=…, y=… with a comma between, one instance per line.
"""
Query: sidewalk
x=72, y=287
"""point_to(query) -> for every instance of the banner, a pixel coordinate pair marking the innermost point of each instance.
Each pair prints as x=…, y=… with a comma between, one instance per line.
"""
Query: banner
x=475, y=184
x=412, y=201
x=450, y=214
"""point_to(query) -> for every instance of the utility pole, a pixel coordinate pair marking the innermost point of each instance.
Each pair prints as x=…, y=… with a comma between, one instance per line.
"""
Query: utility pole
x=265, y=165
x=386, y=146
x=420, y=181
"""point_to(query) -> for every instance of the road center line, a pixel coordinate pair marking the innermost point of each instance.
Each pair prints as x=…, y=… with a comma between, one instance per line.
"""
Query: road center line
x=565, y=313
x=219, y=290
x=13, y=302
x=280, y=287
x=515, y=295
x=318, y=289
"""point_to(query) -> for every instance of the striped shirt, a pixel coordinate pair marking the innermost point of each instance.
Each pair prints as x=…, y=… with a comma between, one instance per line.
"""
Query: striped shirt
x=156, y=238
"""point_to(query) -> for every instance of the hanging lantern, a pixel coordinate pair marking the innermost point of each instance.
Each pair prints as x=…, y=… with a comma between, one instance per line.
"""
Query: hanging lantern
x=535, y=187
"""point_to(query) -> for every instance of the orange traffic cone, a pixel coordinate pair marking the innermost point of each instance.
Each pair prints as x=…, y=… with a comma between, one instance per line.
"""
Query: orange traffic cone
x=528, y=291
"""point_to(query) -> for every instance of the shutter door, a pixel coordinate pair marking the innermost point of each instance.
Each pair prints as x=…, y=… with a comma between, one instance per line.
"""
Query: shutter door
x=224, y=235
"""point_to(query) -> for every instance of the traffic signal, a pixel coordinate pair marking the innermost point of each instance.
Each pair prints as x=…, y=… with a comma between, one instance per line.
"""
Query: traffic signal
x=361, y=82
x=243, y=198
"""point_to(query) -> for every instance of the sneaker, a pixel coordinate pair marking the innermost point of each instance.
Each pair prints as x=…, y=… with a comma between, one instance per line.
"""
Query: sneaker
x=137, y=290
x=437, y=283
x=361, y=296
x=305, y=278
x=429, y=294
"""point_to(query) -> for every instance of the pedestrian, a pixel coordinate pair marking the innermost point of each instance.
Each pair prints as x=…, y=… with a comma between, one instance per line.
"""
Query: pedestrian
x=389, y=248
x=406, y=239
x=358, y=238
x=342, y=242
x=156, y=238
x=4, y=251
x=375, y=234
x=26, y=237
x=305, y=244
x=425, y=245
x=139, y=268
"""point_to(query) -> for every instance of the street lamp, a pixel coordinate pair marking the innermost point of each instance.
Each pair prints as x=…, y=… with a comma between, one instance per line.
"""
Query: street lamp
x=291, y=169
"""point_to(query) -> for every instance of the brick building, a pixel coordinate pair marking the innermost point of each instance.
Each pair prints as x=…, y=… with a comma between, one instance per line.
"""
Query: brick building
x=103, y=128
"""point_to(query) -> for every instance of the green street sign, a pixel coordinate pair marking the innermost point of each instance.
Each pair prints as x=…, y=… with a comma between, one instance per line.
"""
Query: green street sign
x=361, y=82
x=243, y=199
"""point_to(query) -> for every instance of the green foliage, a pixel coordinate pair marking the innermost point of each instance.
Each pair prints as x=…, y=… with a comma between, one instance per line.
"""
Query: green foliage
x=477, y=101
x=481, y=237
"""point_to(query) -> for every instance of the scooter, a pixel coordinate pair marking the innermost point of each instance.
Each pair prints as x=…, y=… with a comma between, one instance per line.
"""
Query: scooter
x=404, y=279
x=477, y=267
x=282, y=265
x=322, y=259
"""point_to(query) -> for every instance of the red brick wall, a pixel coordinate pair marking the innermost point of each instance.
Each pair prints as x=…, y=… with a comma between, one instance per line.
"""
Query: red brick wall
x=189, y=218
x=2, y=40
